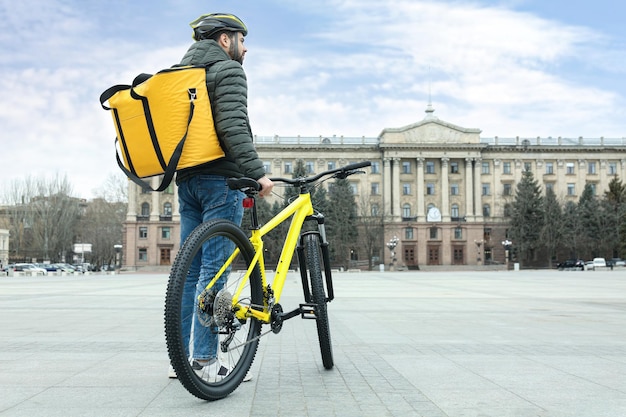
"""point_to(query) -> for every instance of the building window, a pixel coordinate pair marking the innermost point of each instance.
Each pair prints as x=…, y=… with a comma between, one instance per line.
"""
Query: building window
x=571, y=189
x=506, y=168
x=486, y=190
x=375, y=210
x=433, y=232
x=143, y=232
x=430, y=167
x=591, y=168
x=406, y=167
x=569, y=168
x=375, y=188
x=549, y=186
x=330, y=165
x=166, y=233
x=288, y=169
x=267, y=166
x=612, y=168
x=430, y=189
x=485, y=168
x=454, y=189
x=354, y=188
x=145, y=190
x=454, y=211
x=406, y=211
x=528, y=166
x=486, y=210
x=406, y=189
x=454, y=167
x=167, y=209
x=375, y=168
x=310, y=167
x=408, y=233
x=506, y=189
x=507, y=210
x=458, y=233
x=145, y=209
x=169, y=189
x=549, y=168
x=143, y=254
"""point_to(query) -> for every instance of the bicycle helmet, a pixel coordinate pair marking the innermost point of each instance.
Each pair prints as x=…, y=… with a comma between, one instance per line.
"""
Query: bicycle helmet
x=208, y=25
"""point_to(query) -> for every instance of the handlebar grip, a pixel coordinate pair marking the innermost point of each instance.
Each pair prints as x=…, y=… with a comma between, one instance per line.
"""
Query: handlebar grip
x=357, y=165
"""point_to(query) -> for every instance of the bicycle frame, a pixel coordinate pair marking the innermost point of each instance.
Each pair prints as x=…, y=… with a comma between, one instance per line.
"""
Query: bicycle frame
x=298, y=209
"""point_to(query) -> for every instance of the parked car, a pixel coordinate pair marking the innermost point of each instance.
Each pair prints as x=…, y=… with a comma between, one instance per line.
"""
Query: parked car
x=598, y=263
x=66, y=267
x=25, y=267
x=618, y=262
x=571, y=264
x=48, y=267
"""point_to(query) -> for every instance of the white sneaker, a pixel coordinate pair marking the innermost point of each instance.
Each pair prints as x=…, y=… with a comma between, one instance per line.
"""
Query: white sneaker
x=211, y=370
x=171, y=373
x=248, y=377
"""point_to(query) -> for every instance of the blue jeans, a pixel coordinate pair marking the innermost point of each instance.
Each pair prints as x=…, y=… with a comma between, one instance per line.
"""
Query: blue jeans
x=202, y=198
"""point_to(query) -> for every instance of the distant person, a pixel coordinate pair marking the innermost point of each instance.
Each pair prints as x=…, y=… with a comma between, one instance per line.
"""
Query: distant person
x=202, y=191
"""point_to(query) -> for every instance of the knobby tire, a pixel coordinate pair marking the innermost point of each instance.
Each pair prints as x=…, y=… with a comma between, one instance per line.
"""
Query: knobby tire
x=318, y=294
x=245, y=343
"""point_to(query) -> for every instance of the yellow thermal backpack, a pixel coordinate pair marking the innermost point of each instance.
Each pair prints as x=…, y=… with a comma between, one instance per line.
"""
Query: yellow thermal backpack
x=163, y=123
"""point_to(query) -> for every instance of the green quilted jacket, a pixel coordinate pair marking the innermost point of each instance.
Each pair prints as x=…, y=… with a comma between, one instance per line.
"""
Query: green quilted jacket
x=228, y=92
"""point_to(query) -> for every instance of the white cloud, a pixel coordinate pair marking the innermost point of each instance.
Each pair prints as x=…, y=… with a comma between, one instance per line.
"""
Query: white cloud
x=370, y=65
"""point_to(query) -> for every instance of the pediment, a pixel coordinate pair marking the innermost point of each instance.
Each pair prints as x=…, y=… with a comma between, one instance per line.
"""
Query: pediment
x=430, y=131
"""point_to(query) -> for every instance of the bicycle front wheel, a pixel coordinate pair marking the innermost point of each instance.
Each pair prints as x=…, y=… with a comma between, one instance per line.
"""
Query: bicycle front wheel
x=314, y=266
x=210, y=348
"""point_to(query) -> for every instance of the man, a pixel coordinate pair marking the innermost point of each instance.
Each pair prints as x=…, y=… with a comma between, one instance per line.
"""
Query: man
x=202, y=191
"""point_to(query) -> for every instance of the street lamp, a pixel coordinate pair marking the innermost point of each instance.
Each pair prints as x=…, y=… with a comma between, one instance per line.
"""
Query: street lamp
x=506, y=243
x=392, y=244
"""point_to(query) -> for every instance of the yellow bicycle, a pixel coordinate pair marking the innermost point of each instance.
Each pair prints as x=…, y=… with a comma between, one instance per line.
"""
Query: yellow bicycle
x=225, y=315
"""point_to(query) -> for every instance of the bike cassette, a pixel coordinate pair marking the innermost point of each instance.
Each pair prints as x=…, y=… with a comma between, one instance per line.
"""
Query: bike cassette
x=223, y=308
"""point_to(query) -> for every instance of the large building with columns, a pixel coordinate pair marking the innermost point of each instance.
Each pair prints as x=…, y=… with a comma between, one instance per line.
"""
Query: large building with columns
x=440, y=189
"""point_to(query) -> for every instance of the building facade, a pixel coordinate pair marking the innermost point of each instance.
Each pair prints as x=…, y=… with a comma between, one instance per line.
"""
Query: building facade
x=441, y=189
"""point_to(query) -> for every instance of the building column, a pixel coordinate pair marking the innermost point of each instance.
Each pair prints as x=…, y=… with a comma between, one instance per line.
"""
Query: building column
x=478, y=208
x=154, y=209
x=421, y=215
x=395, y=174
x=386, y=187
x=445, y=191
x=131, y=214
x=469, y=190
x=176, y=208
x=581, y=175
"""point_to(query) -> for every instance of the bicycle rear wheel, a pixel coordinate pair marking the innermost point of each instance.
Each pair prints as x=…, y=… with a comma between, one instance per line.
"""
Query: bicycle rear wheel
x=211, y=326
x=318, y=294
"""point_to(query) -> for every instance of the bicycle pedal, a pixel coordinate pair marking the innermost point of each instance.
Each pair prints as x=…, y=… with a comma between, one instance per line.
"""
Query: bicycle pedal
x=308, y=311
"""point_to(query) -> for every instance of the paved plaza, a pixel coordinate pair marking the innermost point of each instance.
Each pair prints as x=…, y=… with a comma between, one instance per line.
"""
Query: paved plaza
x=432, y=344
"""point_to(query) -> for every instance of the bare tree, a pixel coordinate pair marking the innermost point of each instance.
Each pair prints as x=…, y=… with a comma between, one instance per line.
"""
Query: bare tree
x=44, y=216
x=371, y=235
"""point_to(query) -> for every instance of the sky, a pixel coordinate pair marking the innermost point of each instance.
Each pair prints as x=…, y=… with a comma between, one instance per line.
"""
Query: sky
x=528, y=68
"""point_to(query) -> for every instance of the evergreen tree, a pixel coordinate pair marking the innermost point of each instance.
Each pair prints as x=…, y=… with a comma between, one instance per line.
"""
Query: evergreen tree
x=615, y=199
x=571, y=230
x=341, y=221
x=589, y=214
x=552, y=230
x=526, y=217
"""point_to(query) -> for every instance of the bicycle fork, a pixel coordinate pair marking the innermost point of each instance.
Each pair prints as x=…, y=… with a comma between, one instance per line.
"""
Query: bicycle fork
x=306, y=286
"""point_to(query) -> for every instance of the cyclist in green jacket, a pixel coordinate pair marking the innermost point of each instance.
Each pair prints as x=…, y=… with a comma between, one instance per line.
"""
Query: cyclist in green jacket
x=202, y=191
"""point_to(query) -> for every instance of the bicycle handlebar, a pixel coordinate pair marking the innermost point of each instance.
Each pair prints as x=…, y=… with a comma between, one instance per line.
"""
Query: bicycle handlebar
x=346, y=170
